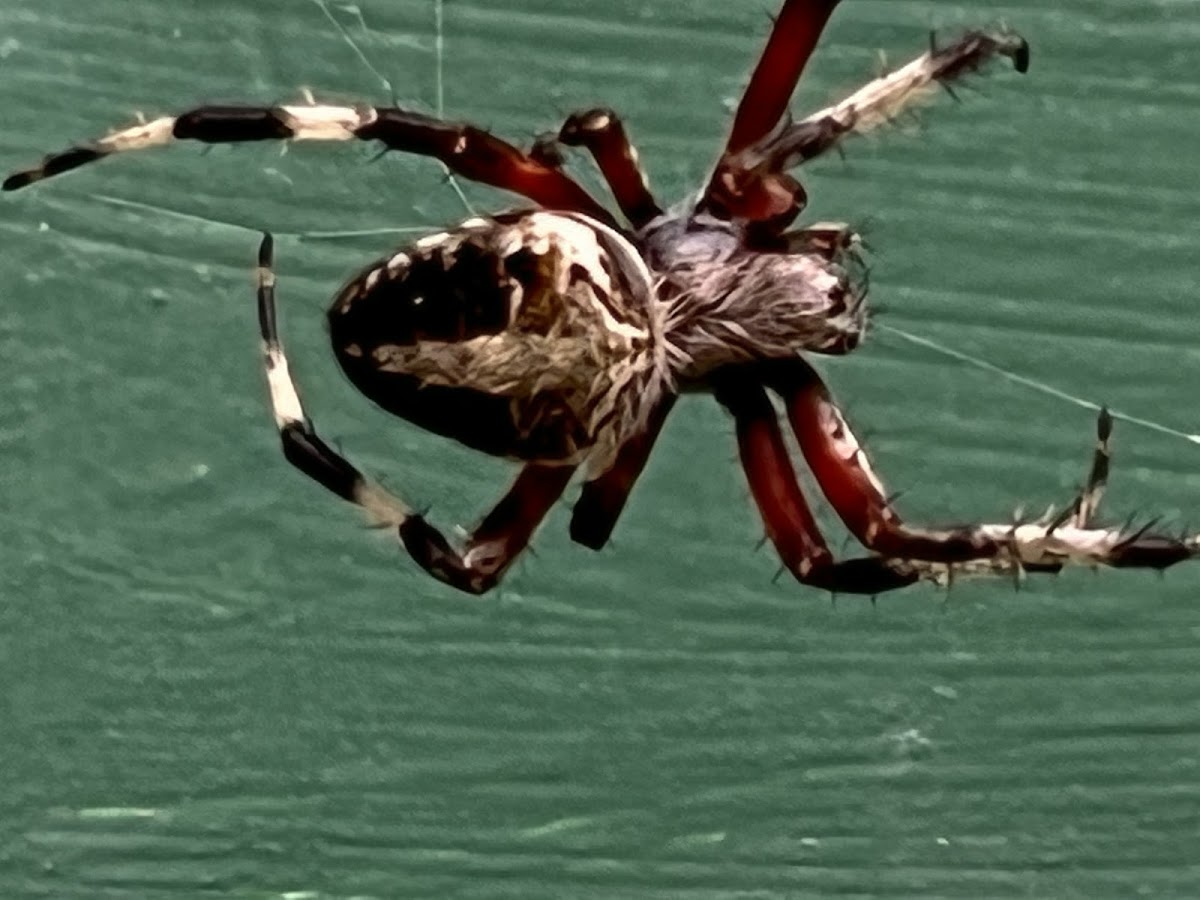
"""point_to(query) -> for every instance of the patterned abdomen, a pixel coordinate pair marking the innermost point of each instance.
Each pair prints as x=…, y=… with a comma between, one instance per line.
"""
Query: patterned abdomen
x=512, y=335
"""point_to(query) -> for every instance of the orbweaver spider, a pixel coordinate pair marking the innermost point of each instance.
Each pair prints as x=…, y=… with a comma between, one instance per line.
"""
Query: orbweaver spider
x=560, y=336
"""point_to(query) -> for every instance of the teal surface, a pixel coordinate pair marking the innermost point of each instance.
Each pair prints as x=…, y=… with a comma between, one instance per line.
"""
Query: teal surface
x=216, y=682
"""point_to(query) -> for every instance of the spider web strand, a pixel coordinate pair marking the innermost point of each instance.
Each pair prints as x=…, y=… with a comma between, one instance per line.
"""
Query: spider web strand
x=1034, y=384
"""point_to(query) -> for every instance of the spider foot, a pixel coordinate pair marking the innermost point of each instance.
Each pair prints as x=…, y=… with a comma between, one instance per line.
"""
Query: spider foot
x=492, y=547
x=971, y=52
x=1152, y=551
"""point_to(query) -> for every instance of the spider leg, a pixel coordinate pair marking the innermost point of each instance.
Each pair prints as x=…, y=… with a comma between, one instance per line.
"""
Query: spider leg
x=789, y=521
x=465, y=149
x=601, y=133
x=750, y=181
x=735, y=191
x=603, y=498
x=765, y=101
x=843, y=471
x=302, y=446
x=883, y=100
x=493, y=546
x=497, y=541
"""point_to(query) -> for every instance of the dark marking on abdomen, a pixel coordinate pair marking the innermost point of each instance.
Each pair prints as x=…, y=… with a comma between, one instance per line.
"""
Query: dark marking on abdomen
x=436, y=297
x=449, y=293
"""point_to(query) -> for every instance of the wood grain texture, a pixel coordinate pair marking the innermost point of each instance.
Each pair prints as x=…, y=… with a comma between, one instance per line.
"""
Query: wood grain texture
x=217, y=683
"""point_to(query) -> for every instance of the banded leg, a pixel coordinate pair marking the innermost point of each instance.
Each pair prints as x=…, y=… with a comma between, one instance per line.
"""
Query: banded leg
x=465, y=149
x=603, y=498
x=844, y=473
x=489, y=551
x=1072, y=537
x=788, y=520
x=883, y=100
x=601, y=133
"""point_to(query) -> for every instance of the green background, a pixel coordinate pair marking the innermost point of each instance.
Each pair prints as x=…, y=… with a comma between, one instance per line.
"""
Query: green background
x=217, y=682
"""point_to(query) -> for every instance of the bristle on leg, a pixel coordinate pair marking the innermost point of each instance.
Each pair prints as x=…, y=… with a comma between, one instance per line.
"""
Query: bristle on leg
x=1070, y=539
x=884, y=100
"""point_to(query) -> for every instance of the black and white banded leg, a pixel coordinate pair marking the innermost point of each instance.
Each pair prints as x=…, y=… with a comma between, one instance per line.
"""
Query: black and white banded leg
x=302, y=447
x=490, y=549
x=464, y=149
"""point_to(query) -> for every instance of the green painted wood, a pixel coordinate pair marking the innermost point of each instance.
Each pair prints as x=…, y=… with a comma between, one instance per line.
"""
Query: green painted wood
x=217, y=683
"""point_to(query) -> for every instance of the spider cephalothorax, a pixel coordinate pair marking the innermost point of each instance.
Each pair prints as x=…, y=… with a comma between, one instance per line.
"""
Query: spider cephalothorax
x=560, y=336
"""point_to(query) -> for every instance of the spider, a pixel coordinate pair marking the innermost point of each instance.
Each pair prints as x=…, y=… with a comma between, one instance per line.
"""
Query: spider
x=561, y=336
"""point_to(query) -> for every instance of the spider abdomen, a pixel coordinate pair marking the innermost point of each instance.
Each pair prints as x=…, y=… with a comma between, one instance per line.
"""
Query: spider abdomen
x=508, y=334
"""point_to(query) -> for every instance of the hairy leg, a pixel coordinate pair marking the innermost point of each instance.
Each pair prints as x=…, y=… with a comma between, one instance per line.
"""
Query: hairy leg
x=493, y=546
x=883, y=100
x=464, y=149
x=498, y=540
x=751, y=181
x=765, y=101
x=788, y=520
x=844, y=473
